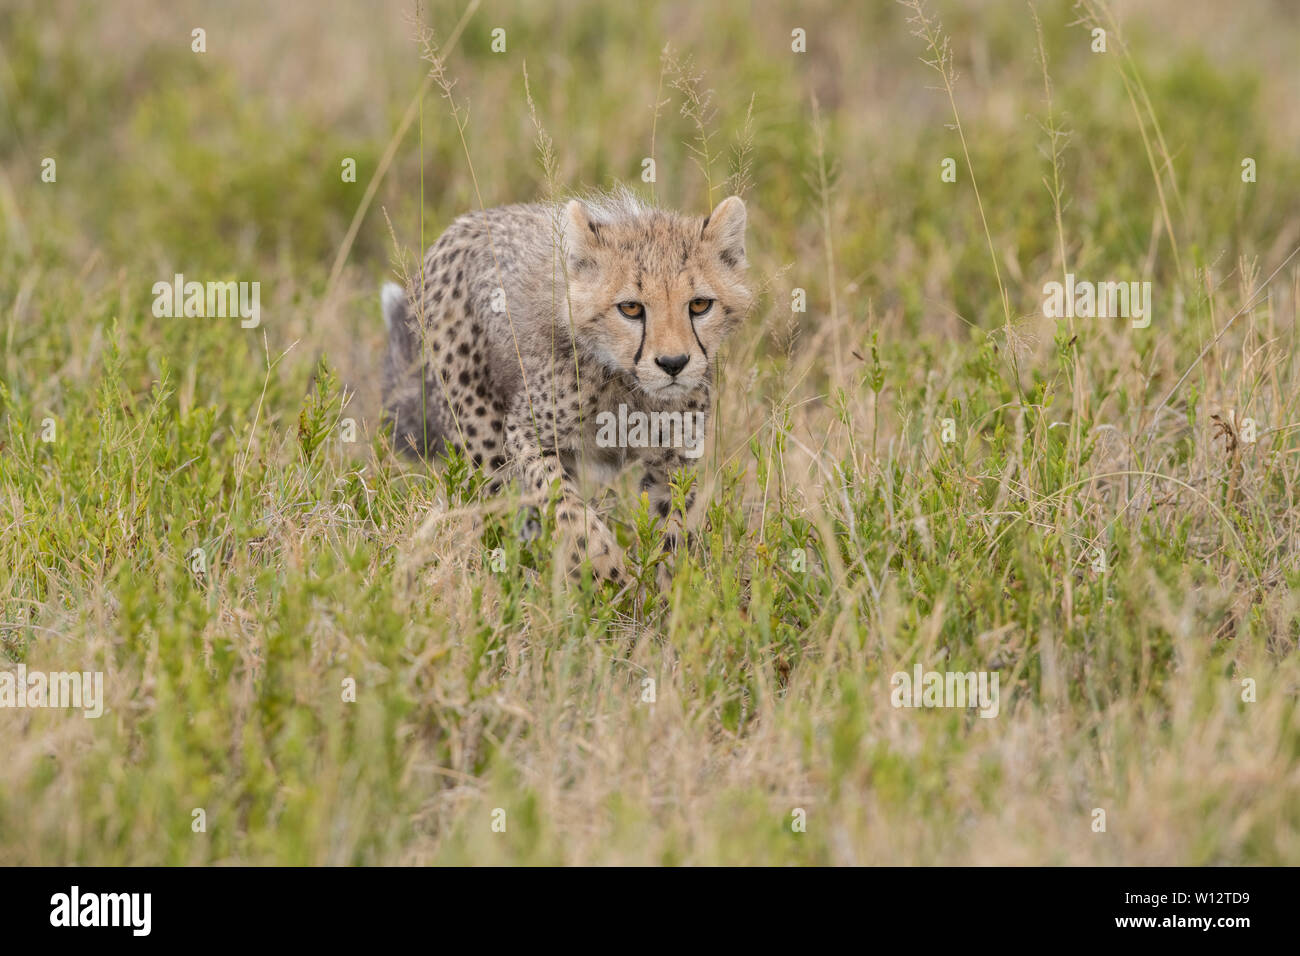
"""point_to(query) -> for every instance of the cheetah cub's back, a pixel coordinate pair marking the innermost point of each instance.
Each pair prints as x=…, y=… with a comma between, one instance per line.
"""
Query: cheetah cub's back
x=542, y=339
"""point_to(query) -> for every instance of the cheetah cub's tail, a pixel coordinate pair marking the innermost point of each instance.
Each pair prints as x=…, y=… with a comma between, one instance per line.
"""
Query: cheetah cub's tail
x=393, y=299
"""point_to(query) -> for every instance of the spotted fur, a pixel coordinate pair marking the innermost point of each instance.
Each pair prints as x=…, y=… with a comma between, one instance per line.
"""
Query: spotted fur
x=511, y=341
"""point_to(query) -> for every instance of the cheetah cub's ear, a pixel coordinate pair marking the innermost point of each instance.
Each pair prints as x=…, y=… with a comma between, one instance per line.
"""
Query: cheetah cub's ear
x=583, y=236
x=724, y=228
x=582, y=228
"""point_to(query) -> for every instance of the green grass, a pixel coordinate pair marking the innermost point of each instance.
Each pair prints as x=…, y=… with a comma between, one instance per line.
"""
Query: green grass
x=841, y=540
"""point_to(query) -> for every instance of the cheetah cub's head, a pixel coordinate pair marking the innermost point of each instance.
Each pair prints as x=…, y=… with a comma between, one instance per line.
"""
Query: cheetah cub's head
x=654, y=293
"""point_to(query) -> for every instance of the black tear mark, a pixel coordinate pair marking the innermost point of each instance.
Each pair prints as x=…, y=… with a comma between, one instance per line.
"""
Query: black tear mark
x=636, y=359
x=697, y=340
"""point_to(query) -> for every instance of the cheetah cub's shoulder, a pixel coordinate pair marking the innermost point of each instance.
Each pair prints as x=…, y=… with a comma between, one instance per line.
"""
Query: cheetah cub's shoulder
x=547, y=339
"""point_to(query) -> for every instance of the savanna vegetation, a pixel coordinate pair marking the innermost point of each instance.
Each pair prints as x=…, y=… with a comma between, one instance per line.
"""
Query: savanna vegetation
x=918, y=468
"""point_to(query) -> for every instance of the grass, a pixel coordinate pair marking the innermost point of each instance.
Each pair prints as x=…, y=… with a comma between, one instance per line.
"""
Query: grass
x=1099, y=530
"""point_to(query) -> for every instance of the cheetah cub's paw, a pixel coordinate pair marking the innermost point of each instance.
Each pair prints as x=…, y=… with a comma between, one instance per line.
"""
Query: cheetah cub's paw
x=584, y=536
x=664, y=577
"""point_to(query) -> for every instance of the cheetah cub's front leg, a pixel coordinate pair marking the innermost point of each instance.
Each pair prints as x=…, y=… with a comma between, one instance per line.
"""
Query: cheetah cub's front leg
x=531, y=447
x=659, y=468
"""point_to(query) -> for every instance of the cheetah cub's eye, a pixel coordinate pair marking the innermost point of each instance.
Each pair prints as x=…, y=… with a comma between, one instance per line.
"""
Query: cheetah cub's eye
x=633, y=310
x=699, y=307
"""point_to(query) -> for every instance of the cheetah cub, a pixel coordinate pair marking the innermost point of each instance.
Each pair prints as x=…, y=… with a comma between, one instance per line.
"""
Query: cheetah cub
x=531, y=329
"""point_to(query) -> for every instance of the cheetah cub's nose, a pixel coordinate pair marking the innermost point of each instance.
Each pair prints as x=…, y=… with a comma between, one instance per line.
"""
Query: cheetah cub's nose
x=672, y=364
